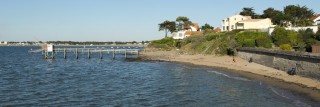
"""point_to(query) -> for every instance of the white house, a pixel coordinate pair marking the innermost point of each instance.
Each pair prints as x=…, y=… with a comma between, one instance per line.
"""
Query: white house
x=255, y=24
x=185, y=33
x=316, y=19
x=229, y=24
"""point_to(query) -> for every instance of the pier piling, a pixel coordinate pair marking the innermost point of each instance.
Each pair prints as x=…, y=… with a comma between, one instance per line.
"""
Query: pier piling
x=125, y=54
x=77, y=53
x=113, y=54
x=101, y=54
x=64, y=53
x=52, y=53
x=89, y=53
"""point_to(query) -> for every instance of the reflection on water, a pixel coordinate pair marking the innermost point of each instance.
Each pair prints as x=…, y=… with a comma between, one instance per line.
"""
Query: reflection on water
x=29, y=80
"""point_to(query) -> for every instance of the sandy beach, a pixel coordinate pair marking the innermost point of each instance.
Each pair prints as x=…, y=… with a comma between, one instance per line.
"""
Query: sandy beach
x=237, y=65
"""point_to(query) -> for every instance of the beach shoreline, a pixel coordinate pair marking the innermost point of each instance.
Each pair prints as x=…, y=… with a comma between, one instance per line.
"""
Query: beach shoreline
x=306, y=86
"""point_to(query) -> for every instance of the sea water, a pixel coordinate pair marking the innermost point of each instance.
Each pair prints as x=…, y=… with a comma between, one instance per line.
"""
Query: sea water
x=30, y=80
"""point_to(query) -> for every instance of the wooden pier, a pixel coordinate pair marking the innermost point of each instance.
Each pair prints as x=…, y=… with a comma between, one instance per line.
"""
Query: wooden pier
x=101, y=51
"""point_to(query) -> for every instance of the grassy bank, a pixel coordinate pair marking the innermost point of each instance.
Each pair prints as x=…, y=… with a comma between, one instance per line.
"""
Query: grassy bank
x=210, y=43
x=225, y=43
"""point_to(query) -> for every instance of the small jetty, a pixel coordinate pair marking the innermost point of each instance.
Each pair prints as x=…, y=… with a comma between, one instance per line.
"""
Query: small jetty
x=49, y=52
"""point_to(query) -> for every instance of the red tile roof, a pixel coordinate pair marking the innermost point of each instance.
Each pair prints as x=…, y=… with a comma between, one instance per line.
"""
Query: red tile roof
x=314, y=17
x=196, y=25
x=217, y=29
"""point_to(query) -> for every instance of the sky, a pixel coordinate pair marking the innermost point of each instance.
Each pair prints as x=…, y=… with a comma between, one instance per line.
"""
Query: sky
x=116, y=20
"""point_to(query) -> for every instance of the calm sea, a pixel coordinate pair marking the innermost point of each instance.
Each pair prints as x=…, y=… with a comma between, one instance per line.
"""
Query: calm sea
x=29, y=80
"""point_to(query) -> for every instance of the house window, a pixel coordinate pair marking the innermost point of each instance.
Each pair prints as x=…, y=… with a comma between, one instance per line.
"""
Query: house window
x=223, y=28
x=227, y=27
x=241, y=18
x=235, y=18
x=232, y=27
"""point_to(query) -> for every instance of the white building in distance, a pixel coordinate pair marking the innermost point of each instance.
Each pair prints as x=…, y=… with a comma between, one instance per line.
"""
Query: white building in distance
x=185, y=33
x=316, y=19
x=229, y=24
x=246, y=23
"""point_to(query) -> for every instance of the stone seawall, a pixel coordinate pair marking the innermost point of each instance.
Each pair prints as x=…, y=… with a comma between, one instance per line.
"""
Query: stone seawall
x=306, y=64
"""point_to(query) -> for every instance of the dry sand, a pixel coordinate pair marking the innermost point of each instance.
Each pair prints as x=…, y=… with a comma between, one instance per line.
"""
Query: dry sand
x=239, y=65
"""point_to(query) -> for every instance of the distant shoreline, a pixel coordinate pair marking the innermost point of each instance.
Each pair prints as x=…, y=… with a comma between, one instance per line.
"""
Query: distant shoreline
x=299, y=84
x=78, y=45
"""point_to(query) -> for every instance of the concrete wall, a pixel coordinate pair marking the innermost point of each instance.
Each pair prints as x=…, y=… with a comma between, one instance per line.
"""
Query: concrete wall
x=307, y=65
x=314, y=29
x=256, y=23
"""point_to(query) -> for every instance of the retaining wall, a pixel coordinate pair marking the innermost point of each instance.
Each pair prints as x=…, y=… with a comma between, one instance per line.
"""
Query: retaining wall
x=306, y=64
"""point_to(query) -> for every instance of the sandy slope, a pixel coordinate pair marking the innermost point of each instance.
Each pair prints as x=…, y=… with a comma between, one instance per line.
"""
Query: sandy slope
x=239, y=65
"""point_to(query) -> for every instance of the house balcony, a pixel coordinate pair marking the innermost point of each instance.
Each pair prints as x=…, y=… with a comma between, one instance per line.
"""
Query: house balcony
x=239, y=26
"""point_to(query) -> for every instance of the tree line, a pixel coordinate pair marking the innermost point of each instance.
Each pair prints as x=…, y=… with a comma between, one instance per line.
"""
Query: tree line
x=296, y=14
x=227, y=42
x=181, y=23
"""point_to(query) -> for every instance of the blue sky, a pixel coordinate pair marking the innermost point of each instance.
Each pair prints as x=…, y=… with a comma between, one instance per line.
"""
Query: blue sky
x=116, y=20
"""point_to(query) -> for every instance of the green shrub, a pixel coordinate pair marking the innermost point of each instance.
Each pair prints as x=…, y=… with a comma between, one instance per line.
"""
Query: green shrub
x=264, y=41
x=193, y=39
x=168, y=41
x=249, y=43
x=212, y=36
x=301, y=46
x=309, y=43
x=231, y=52
x=260, y=37
x=178, y=44
x=163, y=44
x=282, y=36
x=286, y=47
x=237, y=30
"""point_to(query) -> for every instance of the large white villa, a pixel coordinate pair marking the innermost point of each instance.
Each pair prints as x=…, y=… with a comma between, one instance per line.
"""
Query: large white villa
x=245, y=22
x=229, y=24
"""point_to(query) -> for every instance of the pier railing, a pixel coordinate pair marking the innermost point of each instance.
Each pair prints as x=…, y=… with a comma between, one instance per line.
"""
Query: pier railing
x=76, y=51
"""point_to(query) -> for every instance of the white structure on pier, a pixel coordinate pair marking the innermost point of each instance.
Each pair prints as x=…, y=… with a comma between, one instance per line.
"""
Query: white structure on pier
x=3, y=43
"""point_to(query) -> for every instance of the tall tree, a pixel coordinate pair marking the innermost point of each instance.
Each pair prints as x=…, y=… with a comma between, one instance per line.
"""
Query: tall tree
x=167, y=26
x=183, y=22
x=249, y=11
x=206, y=27
x=299, y=16
x=277, y=16
x=270, y=12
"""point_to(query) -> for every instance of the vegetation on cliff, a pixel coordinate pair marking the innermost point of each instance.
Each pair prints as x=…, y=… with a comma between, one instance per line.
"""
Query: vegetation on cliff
x=223, y=43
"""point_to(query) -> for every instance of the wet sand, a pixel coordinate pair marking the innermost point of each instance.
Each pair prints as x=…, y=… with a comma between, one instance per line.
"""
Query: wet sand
x=303, y=85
